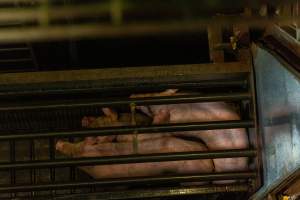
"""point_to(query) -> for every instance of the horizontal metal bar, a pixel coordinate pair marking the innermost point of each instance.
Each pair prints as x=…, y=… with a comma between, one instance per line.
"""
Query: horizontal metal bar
x=62, y=32
x=129, y=86
x=127, y=101
x=129, y=159
x=165, y=192
x=219, y=2
x=137, y=129
x=31, y=14
x=155, y=73
x=14, y=49
x=15, y=60
x=131, y=181
x=16, y=2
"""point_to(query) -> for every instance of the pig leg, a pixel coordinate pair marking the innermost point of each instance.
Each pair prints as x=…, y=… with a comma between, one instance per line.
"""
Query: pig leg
x=110, y=119
x=161, y=145
x=114, y=118
x=162, y=118
x=145, y=109
x=168, y=92
x=111, y=114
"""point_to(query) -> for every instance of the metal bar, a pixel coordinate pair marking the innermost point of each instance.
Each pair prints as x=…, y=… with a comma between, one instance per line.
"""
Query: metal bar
x=132, y=181
x=285, y=39
x=129, y=86
x=72, y=170
x=141, y=129
x=19, y=1
x=156, y=73
x=256, y=136
x=219, y=2
x=15, y=60
x=12, y=145
x=165, y=192
x=32, y=171
x=130, y=159
x=14, y=49
x=126, y=101
x=61, y=32
x=52, y=157
x=31, y=14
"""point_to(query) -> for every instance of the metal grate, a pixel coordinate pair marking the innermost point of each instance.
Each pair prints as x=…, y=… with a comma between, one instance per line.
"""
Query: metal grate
x=31, y=168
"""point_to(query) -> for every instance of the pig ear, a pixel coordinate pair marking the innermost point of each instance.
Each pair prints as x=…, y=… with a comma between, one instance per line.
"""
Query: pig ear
x=110, y=113
x=163, y=116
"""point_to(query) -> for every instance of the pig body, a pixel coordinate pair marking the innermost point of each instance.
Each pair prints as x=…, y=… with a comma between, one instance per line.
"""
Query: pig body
x=166, y=142
x=113, y=119
x=87, y=148
x=214, y=139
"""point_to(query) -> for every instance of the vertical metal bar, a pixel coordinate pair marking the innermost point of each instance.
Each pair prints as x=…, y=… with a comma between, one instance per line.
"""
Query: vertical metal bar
x=12, y=159
x=116, y=11
x=133, y=123
x=52, y=157
x=258, y=160
x=72, y=172
x=32, y=171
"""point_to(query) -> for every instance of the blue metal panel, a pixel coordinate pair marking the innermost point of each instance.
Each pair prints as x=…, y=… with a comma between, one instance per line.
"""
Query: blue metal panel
x=278, y=99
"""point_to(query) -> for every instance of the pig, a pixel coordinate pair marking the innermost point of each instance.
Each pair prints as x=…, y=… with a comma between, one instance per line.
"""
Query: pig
x=110, y=118
x=91, y=148
x=113, y=119
x=170, y=142
x=203, y=112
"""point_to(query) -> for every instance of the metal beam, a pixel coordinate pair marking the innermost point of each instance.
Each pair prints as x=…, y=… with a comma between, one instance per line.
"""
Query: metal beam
x=139, y=130
x=123, y=73
x=129, y=159
x=157, y=193
x=131, y=181
x=131, y=88
x=62, y=32
x=163, y=100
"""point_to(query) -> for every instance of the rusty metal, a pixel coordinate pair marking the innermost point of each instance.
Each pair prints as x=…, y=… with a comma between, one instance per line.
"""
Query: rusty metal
x=166, y=192
x=132, y=181
x=44, y=104
x=157, y=74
